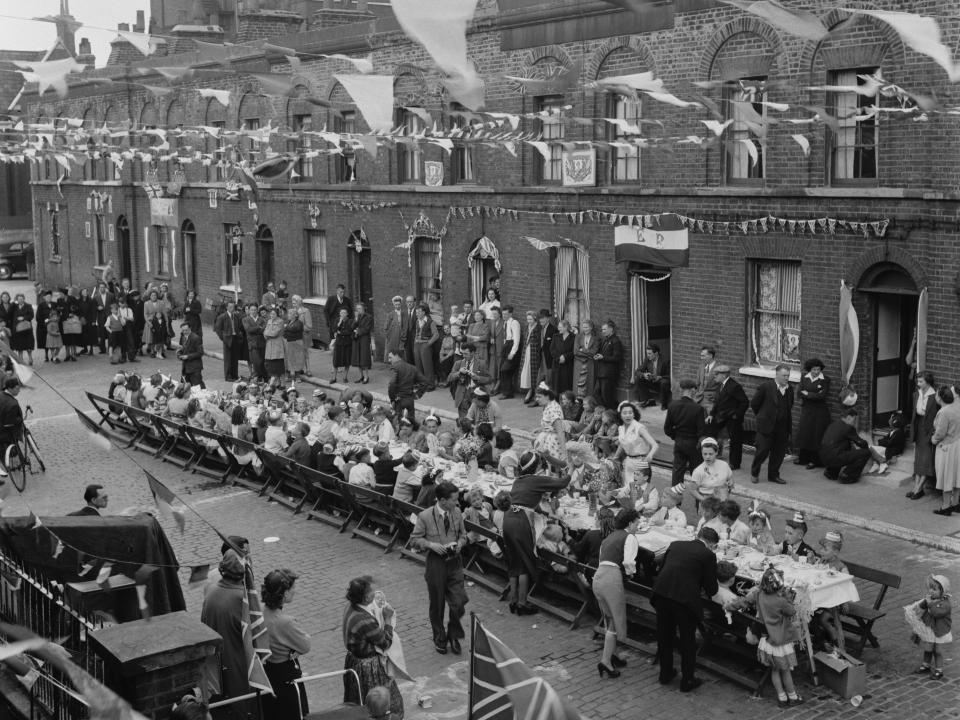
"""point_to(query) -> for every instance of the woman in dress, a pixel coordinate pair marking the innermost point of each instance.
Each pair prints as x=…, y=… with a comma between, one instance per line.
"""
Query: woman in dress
x=273, y=353
x=924, y=411
x=287, y=643
x=586, y=346
x=815, y=415
x=43, y=315
x=151, y=307
x=6, y=309
x=618, y=556
x=425, y=335
x=635, y=445
x=561, y=348
x=342, y=345
x=552, y=435
x=946, y=434
x=711, y=477
x=490, y=301
x=294, y=352
x=88, y=313
x=362, y=354
x=191, y=312
x=364, y=638
x=523, y=525
x=21, y=325
x=478, y=332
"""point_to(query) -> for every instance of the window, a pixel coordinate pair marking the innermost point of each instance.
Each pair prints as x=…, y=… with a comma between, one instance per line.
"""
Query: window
x=626, y=161
x=302, y=124
x=571, y=285
x=853, y=148
x=219, y=151
x=54, y=234
x=462, y=166
x=345, y=124
x=745, y=138
x=775, y=310
x=551, y=131
x=253, y=147
x=163, y=251
x=409, y=155
x=317, y=247
x=100, y=255
x=427, y=258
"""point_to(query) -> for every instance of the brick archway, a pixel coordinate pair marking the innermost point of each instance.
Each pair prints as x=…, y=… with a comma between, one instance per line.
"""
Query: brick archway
x=635, y=45
x=895, y=49
x=547, y=51
x=735, y=27
x=884, y=254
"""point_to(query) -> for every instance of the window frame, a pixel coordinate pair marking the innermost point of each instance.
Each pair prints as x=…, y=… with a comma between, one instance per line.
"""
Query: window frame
x=436, y=280
x=344, y=123
x=99, y=240
x=409, y=156
x=302, y=123
x=463, y=164
x=615, y=134
x=219, y=151
x=788, y=319
x=555, y=137
x=732, y=148
x=836, y=77
x=161, y=247
x=313, y=264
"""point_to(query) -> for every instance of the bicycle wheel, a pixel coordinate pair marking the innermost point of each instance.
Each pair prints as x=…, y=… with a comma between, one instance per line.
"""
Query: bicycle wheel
x=13, y=461
x=34, y=449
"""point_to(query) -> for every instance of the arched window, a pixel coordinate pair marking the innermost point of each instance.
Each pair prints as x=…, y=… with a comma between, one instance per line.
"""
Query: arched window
x=300, y=120
x=188, y=251
x=216, y=117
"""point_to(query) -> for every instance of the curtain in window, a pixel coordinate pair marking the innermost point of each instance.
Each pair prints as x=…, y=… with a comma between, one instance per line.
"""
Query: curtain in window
x=846, y=141
x=563, y=279
x=318, y=263
x=583, y=273
x=638, y=317
x=778, y=310
x=428, y=266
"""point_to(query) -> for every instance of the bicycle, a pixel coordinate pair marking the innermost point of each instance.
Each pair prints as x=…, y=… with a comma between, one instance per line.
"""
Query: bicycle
x=19, y=456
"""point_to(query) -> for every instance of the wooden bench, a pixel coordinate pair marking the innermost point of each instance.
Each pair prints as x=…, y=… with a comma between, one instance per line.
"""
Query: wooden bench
x=374, y=516
x=329, y=506
x=562, y=588
x=858, y=618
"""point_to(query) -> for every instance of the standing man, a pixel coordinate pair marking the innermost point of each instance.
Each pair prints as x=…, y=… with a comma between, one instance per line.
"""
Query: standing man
x=844, y=453
x=689, y=569
x=439, y=531
x=684, y=425
x=96, y=499
x=406, y=382
x=730, y=406
x=652, y=379
x=497, y=341
x=256, y=343
x=395, y=329
x=467, y=374
x=411, y=304
x=609, y=358
x=229, y=328
x=706, y=381
x=117, y=335
x=546, y=332
x=222, y=612
x=191, y=356
x=511, y=351
x=11, y=417
x=772, y=403
x=304, y=315
x=335, y=302
x=104, y=300
x=130, y=345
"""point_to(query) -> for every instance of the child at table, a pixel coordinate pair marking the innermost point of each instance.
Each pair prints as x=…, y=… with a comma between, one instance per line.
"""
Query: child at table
x=408, y=478
x=831, y=544
x=776, y=611
x=793, y=534
x=761, y=536
x=931, y=621
x=726, y=574
x=552, y=539
x=670, y=514
x=648, y=497
x=479, y=512
x=605, y=441
x=708, y=511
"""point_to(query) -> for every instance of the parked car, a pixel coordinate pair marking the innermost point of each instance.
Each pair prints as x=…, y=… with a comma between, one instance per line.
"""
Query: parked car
x=13, y=257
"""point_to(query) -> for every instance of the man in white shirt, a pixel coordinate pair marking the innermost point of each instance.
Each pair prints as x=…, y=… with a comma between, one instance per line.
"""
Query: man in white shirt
x=129, y=347
x=511, y=351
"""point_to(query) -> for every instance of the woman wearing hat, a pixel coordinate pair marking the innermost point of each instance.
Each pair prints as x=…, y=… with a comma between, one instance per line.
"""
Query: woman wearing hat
x=711, y=477
x=273, y=353
x=287, y=643
x=342, y=345
x=362, y=356
x=815, y=415
x=530, y=365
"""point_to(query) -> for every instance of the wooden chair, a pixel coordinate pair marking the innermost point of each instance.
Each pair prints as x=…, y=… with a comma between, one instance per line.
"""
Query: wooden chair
x=329, y=505
x=285, y=485
x=178, y=448
x=147, y=438
x=373, y=515
x=858, y=618
x=215, y=460
x=112, y=422
x=406, y=515
x=482, y=566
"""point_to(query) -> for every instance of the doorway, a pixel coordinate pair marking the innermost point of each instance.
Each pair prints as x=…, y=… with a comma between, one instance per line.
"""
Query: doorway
x=265, y=258
x=650, y=300
x=188, y=251
x=895, y=320
x=358, y=269
x=123, y=247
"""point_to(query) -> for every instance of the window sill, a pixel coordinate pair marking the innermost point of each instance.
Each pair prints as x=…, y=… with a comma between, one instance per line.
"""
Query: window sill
x=231, y=289
x=767, y=372
x=321, y=301
x=57, y=259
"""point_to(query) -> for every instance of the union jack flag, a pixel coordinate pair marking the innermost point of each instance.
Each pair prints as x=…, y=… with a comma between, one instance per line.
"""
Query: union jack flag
x=502, y=687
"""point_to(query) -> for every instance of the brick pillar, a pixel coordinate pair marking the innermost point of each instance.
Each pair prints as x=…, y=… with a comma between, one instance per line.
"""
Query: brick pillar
x=153, y=663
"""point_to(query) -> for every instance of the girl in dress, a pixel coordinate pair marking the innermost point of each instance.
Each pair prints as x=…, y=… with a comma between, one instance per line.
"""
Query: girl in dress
x=761, y=536
x=479, y=512
x=72, y=332
x=775, y=651
x=931, y=621
x=550, y=439
x=54, y=340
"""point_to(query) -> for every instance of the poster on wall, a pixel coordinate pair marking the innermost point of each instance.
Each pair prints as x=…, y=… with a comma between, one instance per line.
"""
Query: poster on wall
x=580, y=167
x=164, y=212
x=433, y=173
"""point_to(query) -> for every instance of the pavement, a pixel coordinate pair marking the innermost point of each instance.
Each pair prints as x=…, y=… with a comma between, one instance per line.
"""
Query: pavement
x=326, y=560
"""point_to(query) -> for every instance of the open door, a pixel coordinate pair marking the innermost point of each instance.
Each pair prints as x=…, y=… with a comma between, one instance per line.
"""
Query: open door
x=649, y=313
x=895, y=318
x=358, y=269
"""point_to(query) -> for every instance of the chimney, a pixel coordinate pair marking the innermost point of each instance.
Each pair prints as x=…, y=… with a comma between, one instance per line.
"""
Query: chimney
x=123, y=27
x=86, y=56
x=141, y=25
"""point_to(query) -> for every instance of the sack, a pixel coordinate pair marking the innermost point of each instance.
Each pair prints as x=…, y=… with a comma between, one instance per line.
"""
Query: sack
x=23, y=326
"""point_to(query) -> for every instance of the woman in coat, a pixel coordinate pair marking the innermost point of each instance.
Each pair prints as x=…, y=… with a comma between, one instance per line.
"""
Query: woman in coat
x=294, y=351
x=342, y=344
x=946, y=438
x=425, y=335
x=815, y=415
x=21, y=325
x=478, y=332
x=43, y=314
x=531, y=357
x=273, y=353
x=191, y=313
x=585, y=347
x=361, y=354
x=561, y=348
x=924, y=412
x=88, y=313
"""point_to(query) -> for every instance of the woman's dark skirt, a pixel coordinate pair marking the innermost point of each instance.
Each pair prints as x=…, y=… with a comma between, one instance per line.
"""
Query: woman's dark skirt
x=372, y=672
x=518, y=545
x=284, y=705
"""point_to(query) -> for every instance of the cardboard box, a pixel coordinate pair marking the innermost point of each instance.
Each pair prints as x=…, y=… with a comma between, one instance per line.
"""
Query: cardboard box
x=842, y=673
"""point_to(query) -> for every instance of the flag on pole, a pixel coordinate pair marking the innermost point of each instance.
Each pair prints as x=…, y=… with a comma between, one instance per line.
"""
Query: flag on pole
x=164, y=499
x=502, y=687
x=666, y=244
x=256, y=644
x=849, y=333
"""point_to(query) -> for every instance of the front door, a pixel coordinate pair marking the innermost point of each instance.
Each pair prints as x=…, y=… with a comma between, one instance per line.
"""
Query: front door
x=658, y=315
x=895, y=319
x=361, y=278
x=123, y=242
x=264, y=264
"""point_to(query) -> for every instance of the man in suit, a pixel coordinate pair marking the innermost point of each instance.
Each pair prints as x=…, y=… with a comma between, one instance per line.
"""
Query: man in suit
x=545, y=334
x=395, y=330
x=609, y=357
x=772, y=403
x=497, y=339
x=103, y=299
x=512, y=340
x=689, y=569
x=439, y=531
x=411, y=306
x=96, y=500
x=229, y=328
x=256, y=343
x=405, y=384
x=684, y=424
x=335, y=302
x=652, y=379
x=728, y=410
x=466, y=375
x=706, y=380
x=191, y=356
x=844, y=453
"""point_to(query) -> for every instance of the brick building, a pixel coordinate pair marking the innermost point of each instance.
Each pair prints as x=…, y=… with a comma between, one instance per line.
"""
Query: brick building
x=773, y=229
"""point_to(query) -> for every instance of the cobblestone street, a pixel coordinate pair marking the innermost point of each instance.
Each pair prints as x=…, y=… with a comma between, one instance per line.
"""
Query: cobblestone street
x=326, y=560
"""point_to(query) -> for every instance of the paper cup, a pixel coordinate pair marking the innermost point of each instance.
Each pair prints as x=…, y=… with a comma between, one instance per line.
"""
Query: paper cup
x=425, y=701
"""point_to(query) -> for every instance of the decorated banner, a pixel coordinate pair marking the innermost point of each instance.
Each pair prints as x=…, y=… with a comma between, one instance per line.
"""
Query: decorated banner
x=666, y=244
x=165, y=212
x=580, y=167
x=433, y=173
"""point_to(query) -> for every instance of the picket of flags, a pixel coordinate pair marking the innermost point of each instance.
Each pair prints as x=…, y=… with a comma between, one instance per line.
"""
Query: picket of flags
x=665, y=244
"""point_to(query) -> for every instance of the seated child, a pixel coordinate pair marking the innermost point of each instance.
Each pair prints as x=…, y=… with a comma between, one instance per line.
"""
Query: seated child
x=605, y=441
x=409, y=478
x=726, y=574
x=734, y=529
x=670, y=513
x=382, y=427
x=892, y=444
x=428, y=488
x=761, y=536
x=648, y=500
x=708, y=511
x=552, y=540
x=479, y=512
x=831, y=545
x=793, y=544
x=571, y=407
x=445, y=443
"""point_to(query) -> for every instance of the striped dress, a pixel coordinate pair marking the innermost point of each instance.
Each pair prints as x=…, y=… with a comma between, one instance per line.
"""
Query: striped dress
x=363, y=637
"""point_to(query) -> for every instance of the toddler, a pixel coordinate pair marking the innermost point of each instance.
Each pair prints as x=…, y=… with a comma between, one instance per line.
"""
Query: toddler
x=775, y=651
x=931, y=623
x=552, y=540
x=479, y=512
x=670, y=513
x=648, y=498
x=830, y=545
x=761, y=536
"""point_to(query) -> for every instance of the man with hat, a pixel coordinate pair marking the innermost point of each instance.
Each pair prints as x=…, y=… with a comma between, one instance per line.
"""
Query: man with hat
x=772, y=403
x=395, y=329
x=684, y=425
x=608, y=357
x=483, y=409
x=405, y=384
x=729, y=407
x=467, y=374
x=222, y=612
x=256, y=342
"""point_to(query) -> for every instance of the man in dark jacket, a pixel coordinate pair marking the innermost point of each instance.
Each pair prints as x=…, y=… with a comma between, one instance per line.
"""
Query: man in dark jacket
x=684, y=424
x=335, y=302
x=651, y=382
x=256, y=343
x=772, y=403
x=405, y=384
x=609, y=358
x=229, y=328
x=729, y=407
x=467, y=374
x=96, y=499
x=689, y=569
x=842, y=450
x=191, y=355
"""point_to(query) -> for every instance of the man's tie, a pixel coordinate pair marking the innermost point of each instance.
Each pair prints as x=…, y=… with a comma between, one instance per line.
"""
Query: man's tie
x=446, y=524
x=728, y=532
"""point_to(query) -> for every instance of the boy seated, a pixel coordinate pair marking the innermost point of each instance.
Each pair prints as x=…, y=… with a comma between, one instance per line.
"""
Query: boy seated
x=670, y=514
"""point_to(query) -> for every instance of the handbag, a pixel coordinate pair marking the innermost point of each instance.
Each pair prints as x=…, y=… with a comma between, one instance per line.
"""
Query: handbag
x=72, y=326
x=22, y=326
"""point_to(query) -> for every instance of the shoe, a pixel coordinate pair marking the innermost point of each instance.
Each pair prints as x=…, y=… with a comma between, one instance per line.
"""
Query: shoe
x=442, y=649
x=795, y=701
x=946, y=512
x=783, y=703
x=915, y=495
x=56, y=361
x=618, y=662
x=455, y=646
x=690, y=685
x=604, y=670
x=506, y=397
x=811, y=466
x=527, y=610
x=936, y=675
x=667, y=678
x=513, y=608
x=778, y=480
x=955, y=508
x=829, y=475
x=845, y=479
x=754, y=479
x=922, y=670
x=882, y=470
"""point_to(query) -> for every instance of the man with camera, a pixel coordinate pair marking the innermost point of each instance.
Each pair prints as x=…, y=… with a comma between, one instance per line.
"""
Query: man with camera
x=439, y=531
x=467, y=374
